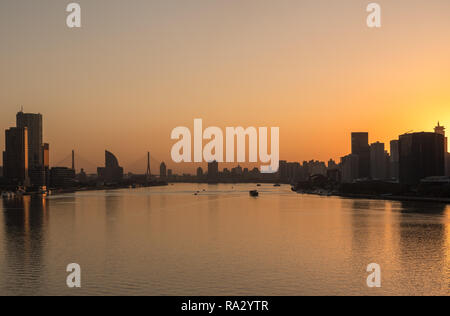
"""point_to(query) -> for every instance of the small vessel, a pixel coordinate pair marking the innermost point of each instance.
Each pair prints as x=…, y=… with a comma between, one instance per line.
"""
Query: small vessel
x=277, y=185
x=254, y=193
x=258, y=185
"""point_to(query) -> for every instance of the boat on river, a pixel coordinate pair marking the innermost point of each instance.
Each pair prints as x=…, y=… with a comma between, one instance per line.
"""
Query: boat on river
x=254, y=193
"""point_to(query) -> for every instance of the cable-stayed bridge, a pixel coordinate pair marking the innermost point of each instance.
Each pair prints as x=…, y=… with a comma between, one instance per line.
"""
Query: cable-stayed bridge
x=141, y=165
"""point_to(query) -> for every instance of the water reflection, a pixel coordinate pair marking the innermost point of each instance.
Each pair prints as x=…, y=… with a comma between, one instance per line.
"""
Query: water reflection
x=25, y=222
x=422, y=243
x=168, y=241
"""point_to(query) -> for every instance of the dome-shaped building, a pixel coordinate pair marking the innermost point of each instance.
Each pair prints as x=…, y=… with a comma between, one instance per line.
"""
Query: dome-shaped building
x=112, y=173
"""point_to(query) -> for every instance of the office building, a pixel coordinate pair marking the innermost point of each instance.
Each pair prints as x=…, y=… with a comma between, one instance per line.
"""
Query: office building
x=283, y=171
x=441, y=130
x=15, y=156
x=378, y=170
x=421, y=155
x=360, y=148
x=213, y=170
x=163, y=171
x=349, y=168
x=33, y=123
x=394, y=160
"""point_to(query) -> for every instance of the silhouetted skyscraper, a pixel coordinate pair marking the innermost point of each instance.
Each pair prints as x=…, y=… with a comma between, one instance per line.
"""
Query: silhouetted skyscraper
x=394, y=160
x=163, y=170
x=378, y=169
x=360, y=148
x=33, y=123
x=15, y=156
x=213, y=170
x=349, y=168
x=421, y=155
x=441, y=130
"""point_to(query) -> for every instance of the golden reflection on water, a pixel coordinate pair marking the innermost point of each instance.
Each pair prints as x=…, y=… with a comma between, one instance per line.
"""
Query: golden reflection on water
x=221, y=242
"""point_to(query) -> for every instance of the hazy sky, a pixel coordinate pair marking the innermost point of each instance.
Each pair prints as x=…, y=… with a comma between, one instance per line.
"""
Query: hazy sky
x=139, y=68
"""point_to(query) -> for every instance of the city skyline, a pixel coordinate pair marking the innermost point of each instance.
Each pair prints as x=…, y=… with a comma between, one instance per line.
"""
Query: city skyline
x=367, y=159
x=192, y=168
x=318, y=79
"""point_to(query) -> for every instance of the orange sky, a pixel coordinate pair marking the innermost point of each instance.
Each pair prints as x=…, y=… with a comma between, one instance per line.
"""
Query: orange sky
x=136, y=70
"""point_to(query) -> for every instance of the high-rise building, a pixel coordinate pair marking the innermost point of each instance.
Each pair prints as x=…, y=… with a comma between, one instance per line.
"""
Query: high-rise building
x=441, y=130
x=349, y=168
x=162, y=170
x=421, y=155
x=112, y=173
x=360, y=148
x=213, y=170
x=283, y=171
x=33, y=123
x=378, y=161
x=387, y=164
x=15, y=156
x=394, y=160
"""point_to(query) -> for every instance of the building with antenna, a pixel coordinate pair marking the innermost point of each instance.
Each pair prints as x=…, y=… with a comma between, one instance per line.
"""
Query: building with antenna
x=441, y=131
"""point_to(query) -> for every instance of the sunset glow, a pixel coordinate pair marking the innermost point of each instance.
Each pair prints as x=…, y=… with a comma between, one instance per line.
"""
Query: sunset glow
x=128, y=77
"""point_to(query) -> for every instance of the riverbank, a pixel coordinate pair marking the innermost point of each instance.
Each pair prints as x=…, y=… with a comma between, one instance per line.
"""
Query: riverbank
x=398, y=198
x=52, y=192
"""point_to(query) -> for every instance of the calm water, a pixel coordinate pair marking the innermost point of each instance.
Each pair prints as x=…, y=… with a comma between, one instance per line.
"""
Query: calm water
x=166, y=241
